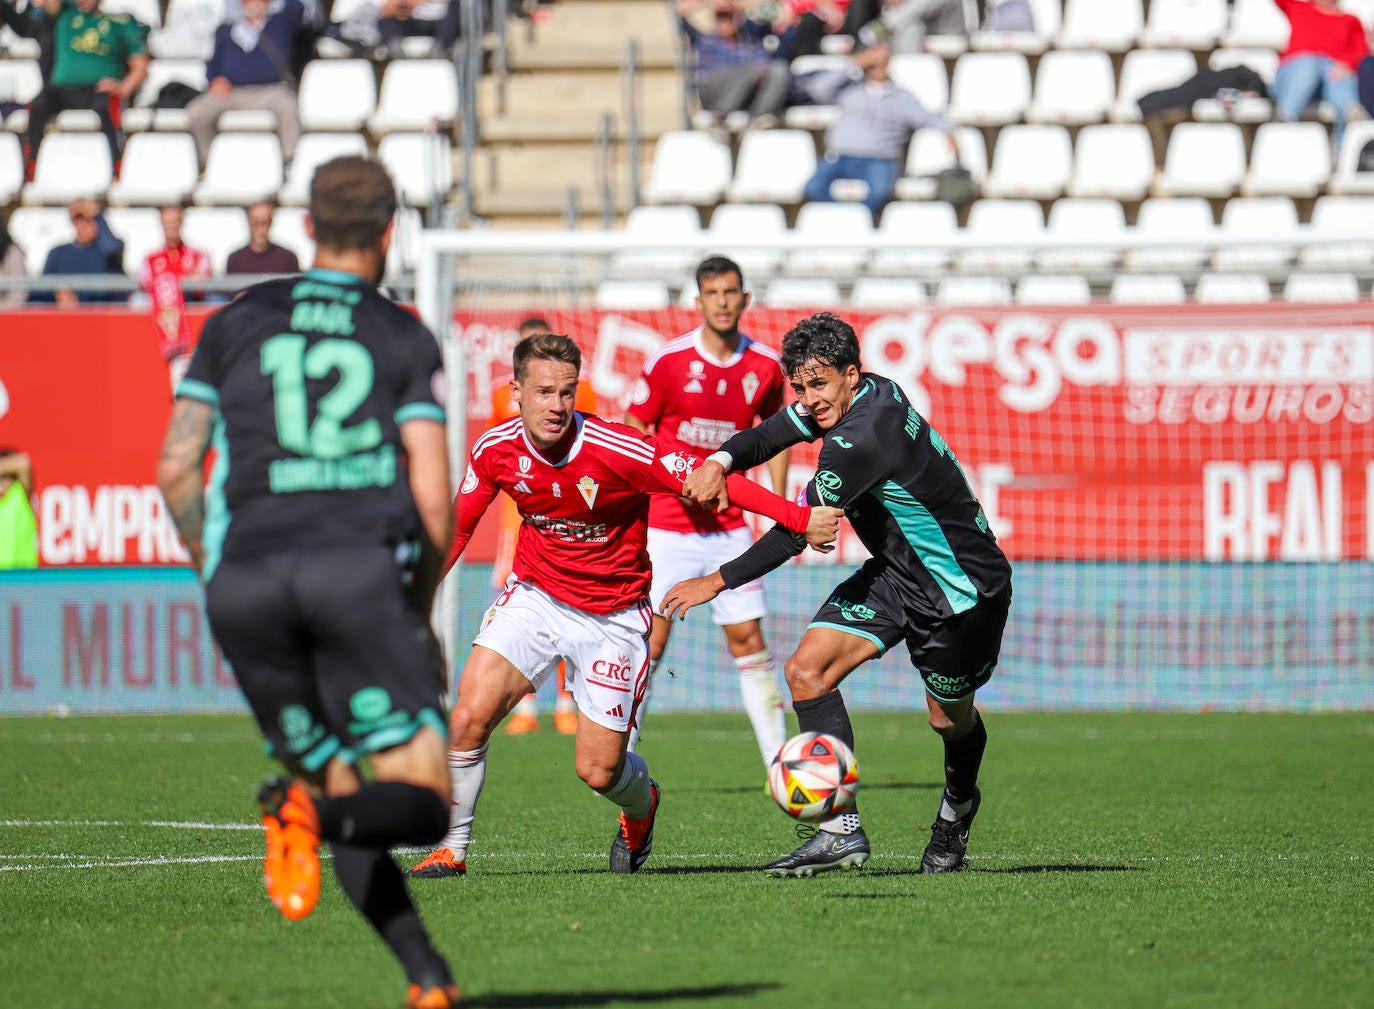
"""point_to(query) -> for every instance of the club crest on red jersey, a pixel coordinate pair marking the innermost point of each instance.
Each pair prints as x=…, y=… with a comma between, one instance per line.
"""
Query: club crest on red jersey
x=588, y=487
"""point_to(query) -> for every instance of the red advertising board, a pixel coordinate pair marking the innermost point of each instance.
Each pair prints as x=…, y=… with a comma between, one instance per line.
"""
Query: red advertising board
x=1100, y=433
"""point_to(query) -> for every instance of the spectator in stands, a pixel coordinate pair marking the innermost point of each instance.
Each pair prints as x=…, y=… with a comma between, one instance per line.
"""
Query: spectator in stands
x=440, y=20
x=740, y=66
x=260, y=255
x=96, y=250
x=1325, y=47
x=876, y=118
x=250, y=68
x=99, y=62
x=18, y=527
x=30, y=23
x=11, y=265
x=162, y=275
x=908, y=22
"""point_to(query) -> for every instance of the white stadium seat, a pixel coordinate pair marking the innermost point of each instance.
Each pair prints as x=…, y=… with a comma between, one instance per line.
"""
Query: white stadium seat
x=1345, y=222
x=731, y=222
x=1004, y=222
x=337, y=95
x=1347, y=177
x=414, y=95
x=1146, y=70
x=1068, y=289
x=188, y=30
x=909, y=239
x=144, y=115
x=631, y=295
x=801, y=292
x=924, y=75
x=240, y=169
x=887, y=292
x=1265, y=225
x=1256, y=24
x=1072, y=87
x=1030, y=161
x=421, y=165
x=1330, y=288
x=141, y=230
x=929, y=154
x=1113, y=25
x=288, y=231
x=1288, y=159
x=1203, y=159
x=825, y=222
x=1113, y=160
x=11, y=168
x=157, y=169
x=217, y=230
x=313, y=150
x=1186, y=219
x=1231, y=289
x=1098, y=223
x=1148, y=289
x=1045, y=19
x=973, y=291
x=679, y=227
x=989, y=89
x=70, y=166
x=773, y=166
x=1185, y=24
x=689, y=166
x=36, y=230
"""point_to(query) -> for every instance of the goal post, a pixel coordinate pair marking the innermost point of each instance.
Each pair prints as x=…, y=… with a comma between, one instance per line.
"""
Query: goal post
x=1184, y=490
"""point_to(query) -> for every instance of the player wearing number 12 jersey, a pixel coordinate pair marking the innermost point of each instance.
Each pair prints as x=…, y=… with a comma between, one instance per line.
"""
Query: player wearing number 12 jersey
x=578, y=591
x=320, y=538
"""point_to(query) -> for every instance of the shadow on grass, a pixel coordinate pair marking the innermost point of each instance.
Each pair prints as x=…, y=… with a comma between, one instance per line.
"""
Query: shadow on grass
x=535, y=1000
x=864, y=789
x=868, y=871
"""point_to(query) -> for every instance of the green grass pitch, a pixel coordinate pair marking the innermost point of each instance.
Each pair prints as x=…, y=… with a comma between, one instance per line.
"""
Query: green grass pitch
x=1120, y=860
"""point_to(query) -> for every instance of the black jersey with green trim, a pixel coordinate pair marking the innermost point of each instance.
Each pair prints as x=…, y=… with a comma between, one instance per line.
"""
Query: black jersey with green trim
x=311, y=378
x=902, y=491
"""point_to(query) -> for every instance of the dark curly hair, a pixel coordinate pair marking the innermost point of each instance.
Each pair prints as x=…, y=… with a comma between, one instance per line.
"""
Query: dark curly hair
x=824, y=338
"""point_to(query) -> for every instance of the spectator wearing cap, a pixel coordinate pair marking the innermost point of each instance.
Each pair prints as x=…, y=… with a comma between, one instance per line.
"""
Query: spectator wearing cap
x=95, y=250
x=875, y=121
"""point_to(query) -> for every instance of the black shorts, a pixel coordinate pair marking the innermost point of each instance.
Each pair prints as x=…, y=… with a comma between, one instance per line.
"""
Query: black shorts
x=954, y=655
x=331, y=657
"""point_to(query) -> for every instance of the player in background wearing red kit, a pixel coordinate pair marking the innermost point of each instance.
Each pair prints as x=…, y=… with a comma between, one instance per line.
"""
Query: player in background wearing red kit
x=578, y=591
x=161, y=275
x=698, y=391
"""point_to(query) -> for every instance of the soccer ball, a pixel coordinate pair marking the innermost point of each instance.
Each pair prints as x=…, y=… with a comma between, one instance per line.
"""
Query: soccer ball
x=814, y=776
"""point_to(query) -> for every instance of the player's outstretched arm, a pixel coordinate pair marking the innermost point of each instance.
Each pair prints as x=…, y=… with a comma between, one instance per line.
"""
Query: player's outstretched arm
x=180, y=472
x=426, y=445
x=692, y=592
x=474, y=496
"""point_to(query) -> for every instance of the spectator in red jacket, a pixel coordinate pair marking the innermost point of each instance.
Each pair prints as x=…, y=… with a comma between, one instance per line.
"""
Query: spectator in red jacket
x=1324, y=52
x=161, y=275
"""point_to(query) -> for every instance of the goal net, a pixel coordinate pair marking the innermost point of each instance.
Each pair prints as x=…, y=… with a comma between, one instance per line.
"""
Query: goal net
x=1183, y=490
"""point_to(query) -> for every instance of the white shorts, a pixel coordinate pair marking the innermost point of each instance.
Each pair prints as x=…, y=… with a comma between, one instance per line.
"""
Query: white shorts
x=607, y=654
x=679, y=556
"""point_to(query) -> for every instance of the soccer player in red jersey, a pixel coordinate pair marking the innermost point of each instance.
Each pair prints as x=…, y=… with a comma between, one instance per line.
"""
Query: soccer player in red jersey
x=578, y=591
x=697, y=392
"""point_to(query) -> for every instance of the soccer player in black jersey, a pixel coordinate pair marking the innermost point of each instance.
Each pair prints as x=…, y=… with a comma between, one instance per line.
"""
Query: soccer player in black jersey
x=320, y=537
x=936, y=579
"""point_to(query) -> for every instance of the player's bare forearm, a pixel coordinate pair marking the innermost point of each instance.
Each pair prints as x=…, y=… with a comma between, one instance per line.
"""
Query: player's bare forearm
x=692, y=592
x=180, y=472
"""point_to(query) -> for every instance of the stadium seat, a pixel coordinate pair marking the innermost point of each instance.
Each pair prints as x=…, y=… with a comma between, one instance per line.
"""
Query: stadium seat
x=21, y=80
x=1098, y=223
x=801, y=292
x=147, y=11
x=929, y=153
x=421, y=165
x=989, y=89
x=18, y=48
x=141, y=230
x=1248, y=109
x=1146, y=70
x=1347, y=179
x=188, y=30
x=70, y=166
x=1093, y=24
x=1072, y=87
x=337, y=95
x=1256, y=24
x=1231, y=289
x=973, y=291
x=631, y=295
x=11, y=168
x=217, y=230
x=1045, y=16
x=1186, y=219
x=143, y=114
x=401, y=258
x=288, y=231
x=1113, y=160
x=1147, y=289
x=36, y=230
x=313, y=150
x=823, y=223
x=679, y=227
x=1030, y=161
x=805, y=117
x=157, y=169
x=1067, y=289
x=1343, y=224
x=1203, y=159
x=772, y=167
x=1008, y=225
x=1329, y=288
x=1185, y=24
x=733, y=222
x=909, y=239
x=924, y=75
x=1265, y=226
x=689, y=166
x=241, y=168
x=886, y=292
x=1288, y=159
x=415, y=95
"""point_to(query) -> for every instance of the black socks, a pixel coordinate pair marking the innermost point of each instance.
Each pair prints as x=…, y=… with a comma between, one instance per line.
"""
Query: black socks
x=375, y=886
x=962, y=760
x=383, y=813
x=826, y=713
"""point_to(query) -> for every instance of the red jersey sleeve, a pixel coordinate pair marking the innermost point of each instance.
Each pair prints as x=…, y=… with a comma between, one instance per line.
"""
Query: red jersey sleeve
x=474, y=496
x=670, y=471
